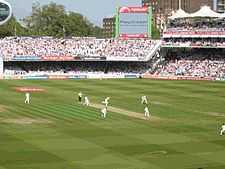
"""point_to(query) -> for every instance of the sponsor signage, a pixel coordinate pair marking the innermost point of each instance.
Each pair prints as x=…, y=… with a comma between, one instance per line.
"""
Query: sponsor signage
x=29, y=89
x=126, y=9
x=35, y=77
x=93, y=58
x=77, y=77
x=131, y=76
x=119, y=58
x=105, y=76
x=57, y=77
x=8, y=77
x=149, y=76
x=57, y=58
x=26, y=58
x=168, y=34
x=190, y=46
x=134, y=36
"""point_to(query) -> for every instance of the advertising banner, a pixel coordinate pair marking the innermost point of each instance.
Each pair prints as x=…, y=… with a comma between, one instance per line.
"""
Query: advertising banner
x=77, y=77
x=169, y=34
x=119, y=58
x=220, y=79
x=131, y=76
x=57, y=58
x=134, y=36
x=12, y=77
x=126, y=9
x=149, y=76
x=29, y=89
x=93, y=58
x=26, y=58
x=195, y=78
x=106, y=76
x=51, y=77
x=35, y=77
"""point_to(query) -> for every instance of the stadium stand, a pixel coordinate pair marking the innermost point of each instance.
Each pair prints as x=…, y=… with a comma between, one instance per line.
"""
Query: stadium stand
x=193, y=46
x=194, y=63
x=43, y=47
x=74, y=68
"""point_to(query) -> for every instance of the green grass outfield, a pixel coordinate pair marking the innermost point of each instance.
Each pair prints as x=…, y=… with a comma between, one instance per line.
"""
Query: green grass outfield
x=66, y=135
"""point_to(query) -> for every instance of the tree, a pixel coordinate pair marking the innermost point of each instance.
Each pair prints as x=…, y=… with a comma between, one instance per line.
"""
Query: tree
x=46, y=20
x=155, y=32
x=76, y=25
x=12, y=28
x=54, y=20
x=97, y=32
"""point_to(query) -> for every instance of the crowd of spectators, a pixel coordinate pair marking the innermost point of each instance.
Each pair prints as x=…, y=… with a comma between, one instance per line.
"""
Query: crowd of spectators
x=196, y=42
x=196, y=25
x=74, y=68
x=75, y=47
x=194, y=64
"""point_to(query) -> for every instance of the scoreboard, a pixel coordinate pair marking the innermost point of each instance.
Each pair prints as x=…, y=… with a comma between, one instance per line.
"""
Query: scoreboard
x=5, y=11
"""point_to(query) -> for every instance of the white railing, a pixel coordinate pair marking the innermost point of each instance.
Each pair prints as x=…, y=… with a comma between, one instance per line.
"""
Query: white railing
x=154, y=50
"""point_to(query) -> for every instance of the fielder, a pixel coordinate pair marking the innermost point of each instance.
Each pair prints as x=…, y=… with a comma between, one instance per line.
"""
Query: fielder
x=80, y=95
x=147, y=113
x=222, y=130
x=86, y=101
x=27, y=98
x=103, y=112
x=106, y=102
x=144, y=100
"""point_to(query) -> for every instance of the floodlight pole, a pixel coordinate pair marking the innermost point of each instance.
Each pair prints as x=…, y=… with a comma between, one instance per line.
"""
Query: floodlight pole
x=179, y=4
x=149, y=22
x=117, y=23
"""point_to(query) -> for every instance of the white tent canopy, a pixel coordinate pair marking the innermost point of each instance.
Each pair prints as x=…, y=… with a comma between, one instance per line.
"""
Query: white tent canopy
x=180, y=13
x=223, y=15
x=204, y=12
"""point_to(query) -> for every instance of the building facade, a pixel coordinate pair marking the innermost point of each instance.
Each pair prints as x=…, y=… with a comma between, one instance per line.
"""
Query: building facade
x=165, y=6
x=162, y=9
x=109, y=27
x=220, y=6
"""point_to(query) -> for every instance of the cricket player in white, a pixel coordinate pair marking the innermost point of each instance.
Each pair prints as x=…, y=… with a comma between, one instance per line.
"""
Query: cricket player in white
x=104, y=112
x=27, y=98
x=106, y=102
x=80, y=95
x=86, y=101
x=144, y=100
x=147, y=114
x=222, y=130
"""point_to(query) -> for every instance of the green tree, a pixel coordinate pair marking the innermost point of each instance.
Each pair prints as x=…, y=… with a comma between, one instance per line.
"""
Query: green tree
x=155, y=32
x=13, y=28
x=54, y=20
x=76, y=25
x=46, y=20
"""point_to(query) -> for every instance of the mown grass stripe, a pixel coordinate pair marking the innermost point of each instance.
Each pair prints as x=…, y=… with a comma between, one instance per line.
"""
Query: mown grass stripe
x=73, y=112
x=22, y=111
x=34, y=113
x=45, y=114
x=53, y=112
x=91, y=111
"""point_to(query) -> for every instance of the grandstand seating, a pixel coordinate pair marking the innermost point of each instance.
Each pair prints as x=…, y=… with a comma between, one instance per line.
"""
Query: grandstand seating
x=75, y=47
x=193, y=66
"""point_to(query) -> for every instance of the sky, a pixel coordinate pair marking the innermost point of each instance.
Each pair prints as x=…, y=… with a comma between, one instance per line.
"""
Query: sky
x=94, y=10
